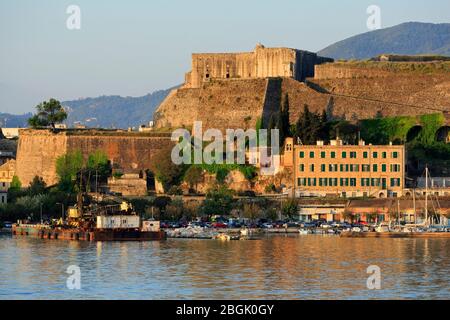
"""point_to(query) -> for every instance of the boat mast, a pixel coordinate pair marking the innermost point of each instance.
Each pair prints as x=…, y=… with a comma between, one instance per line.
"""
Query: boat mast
x=414, y=205
x=426, y=195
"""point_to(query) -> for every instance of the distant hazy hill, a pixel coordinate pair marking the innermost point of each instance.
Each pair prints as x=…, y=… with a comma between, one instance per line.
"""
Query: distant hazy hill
x=104, y=111
x=13, y=120
x=114, y=111
x=409, y=38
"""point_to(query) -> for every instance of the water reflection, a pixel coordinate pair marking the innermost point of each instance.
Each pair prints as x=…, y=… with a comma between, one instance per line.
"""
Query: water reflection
x=281, y=267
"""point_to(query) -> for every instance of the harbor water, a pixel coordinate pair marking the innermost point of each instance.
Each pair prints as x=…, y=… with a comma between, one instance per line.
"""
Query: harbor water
x=274, y=267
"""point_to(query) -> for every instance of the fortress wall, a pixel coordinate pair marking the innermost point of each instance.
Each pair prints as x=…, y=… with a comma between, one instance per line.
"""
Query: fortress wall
x=39, y=149
x=218, y=104
x=337, y=71
x=37, y=152
x=126, y=152
x=261, y=63
x=423, y=91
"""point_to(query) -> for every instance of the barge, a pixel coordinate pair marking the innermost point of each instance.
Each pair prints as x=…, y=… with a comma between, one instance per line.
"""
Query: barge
x=103, y=225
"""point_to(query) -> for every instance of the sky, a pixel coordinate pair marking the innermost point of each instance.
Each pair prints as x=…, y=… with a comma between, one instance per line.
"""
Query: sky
x=134, y=47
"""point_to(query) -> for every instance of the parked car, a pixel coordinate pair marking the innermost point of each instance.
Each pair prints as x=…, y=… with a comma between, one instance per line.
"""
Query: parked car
x=6, y=224
x=164, y=225
x=219, y=225
x=308, y=224
x=234, y=224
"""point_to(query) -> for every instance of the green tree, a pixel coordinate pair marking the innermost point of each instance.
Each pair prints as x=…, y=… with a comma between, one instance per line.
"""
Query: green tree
x=49, y=113
x=251, y=211
x=15, y=189
x=290, y=208
x=193, y=176
x=37, y=186
x=218, y=201
x=15, y=183
x=68, y=167
x=166, y=172
x=98, y=168
x=311, y=126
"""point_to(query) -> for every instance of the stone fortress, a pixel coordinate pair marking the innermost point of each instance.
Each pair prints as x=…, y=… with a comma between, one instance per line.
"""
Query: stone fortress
x=261, y=63
x=235, y=90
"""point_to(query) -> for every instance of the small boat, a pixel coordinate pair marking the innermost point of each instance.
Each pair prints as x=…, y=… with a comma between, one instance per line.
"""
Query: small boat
x=226, y=237
x=245, y=232
x=303, y=232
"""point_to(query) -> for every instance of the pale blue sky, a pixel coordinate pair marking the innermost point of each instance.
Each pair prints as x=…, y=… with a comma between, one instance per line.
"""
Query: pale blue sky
x=134, y=47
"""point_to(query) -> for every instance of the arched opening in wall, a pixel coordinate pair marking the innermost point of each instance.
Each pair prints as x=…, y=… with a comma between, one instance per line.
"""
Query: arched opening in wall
x=443, y=134
x=381, y=195
x=413, y=133
x=150, y=181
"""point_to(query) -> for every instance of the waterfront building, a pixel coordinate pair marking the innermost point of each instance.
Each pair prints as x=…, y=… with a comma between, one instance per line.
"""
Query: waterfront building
x=337, y=169
x=129, y=184
x=7, y=171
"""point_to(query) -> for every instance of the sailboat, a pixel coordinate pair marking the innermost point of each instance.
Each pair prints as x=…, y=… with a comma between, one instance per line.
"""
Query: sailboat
x=426, y=229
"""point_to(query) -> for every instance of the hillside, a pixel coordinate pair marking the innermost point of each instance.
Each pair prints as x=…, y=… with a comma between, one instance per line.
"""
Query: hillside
x=104, y=111
x=8, y=120
x=114, y=111
x=411, y=38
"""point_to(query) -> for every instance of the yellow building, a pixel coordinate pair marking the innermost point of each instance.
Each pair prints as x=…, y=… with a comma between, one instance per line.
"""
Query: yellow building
x=7, y=171
x=346, y=170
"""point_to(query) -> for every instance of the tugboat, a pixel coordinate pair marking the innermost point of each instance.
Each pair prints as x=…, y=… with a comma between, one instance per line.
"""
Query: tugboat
x=108, y=223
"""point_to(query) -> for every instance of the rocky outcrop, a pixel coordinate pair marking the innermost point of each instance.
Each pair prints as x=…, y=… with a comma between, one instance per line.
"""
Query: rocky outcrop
x=349, y=91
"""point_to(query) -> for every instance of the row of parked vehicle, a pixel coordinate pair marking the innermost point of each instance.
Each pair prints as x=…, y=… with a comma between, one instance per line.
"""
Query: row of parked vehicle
x=262, y=224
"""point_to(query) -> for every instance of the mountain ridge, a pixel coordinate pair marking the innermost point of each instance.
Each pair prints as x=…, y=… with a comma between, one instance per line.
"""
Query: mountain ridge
x=409, y=38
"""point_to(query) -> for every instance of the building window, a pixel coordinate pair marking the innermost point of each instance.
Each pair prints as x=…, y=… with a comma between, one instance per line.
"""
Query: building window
x=366, y=168
x=365, y=154
x=322, y=168
x=333, y=167
x=353, y=155
x=301, y=182
x=333, y=155
x=311, y=168
x=395, y=155
x=395, y=168
x=395, y=182
x=375, y=168
x=384, y=155
x=383, y=168
x=365, y=182
x=344, y=154
x=311, y=154
x=323, y=182
x=333, y=182
x=375, y=182
x=352, y=182
x=323, y=154
x=344, y=182
x=354, y=168
x=375, y=155
x=302, y=168
x=302, y=154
